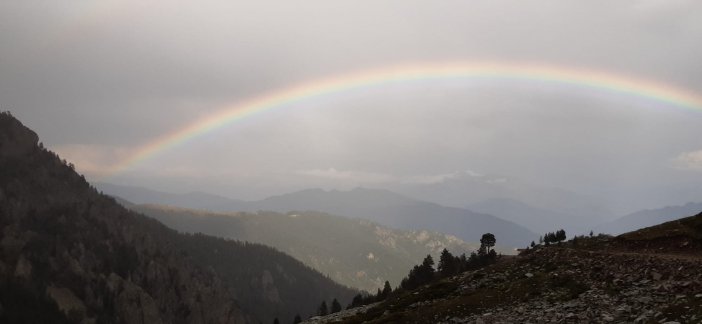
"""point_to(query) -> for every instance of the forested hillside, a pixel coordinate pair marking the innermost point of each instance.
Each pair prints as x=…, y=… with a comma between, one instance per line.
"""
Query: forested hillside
x=71, y=254
x=354, y=252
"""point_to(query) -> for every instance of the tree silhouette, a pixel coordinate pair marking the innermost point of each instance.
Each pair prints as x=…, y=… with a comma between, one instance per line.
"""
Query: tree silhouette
x=488, y=241
x=386, y=290
x=555, y=237
x=427, y=269
x=419, y=275
x=297, y=319
x=447, y=264
x=335, y=306
x=356, y=302
x=323, y=310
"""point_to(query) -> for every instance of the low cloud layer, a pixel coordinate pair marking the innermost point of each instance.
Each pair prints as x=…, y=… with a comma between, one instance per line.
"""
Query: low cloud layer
x=370, y=178
x=689, y=161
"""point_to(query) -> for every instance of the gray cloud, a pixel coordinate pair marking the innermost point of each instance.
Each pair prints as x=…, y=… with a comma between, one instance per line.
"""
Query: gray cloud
x=689, y=160
x=97, y=79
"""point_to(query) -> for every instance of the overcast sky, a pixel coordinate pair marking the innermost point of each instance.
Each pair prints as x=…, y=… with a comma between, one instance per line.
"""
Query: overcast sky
x=96, y=79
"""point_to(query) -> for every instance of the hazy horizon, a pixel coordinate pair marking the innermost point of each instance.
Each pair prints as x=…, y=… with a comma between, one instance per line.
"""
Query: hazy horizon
x=98, y=81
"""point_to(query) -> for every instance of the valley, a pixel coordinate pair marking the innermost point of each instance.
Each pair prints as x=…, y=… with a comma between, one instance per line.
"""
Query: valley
x=354, y=252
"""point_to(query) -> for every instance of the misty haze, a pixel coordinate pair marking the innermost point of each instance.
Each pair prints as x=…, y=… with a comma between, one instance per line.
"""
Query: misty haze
x=318, y=162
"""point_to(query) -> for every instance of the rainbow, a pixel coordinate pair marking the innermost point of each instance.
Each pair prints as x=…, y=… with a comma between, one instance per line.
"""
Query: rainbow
x=584, y=78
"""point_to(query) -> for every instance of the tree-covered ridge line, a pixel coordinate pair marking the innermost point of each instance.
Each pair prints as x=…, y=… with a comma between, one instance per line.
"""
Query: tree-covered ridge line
x=355, y=252
x=67, y=249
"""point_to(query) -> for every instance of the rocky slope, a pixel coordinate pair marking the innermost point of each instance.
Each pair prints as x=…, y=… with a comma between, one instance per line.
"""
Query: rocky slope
x=355, y=252
x=71, y=255
x=589, y=280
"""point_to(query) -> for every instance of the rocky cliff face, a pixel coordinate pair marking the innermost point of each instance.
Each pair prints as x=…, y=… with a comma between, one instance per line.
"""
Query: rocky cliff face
x=70, y=254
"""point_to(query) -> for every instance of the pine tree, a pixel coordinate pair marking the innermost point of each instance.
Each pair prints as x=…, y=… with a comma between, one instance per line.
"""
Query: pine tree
x=462, y=263
x=428, y=262
x=488, y=241
x=297, y=319
x=473, y=259
x=419, y=275
x=549, y=238
x=356, y=302
x=533, y=244
x=323, y=310
x=386, y=290
x=426, y=270
x=368, y=299
x=447, y=264
x=335, y=306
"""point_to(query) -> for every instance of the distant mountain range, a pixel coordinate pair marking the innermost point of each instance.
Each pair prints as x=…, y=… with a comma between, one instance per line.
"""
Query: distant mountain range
x=465, y=189
x=381, y=206
x=649, y=217
x=71, y=255
x=193, y=200
x=399, y=211
x=536, y=219
x=355, y=252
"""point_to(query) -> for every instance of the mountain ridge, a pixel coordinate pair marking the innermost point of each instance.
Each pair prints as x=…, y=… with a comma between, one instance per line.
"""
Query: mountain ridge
x=539, y=220
x=394, y=210
x=76, y=255
x=355, y=252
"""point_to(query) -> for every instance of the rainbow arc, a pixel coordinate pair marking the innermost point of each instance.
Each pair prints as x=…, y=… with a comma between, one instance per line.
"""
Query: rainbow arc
x=487, y=70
